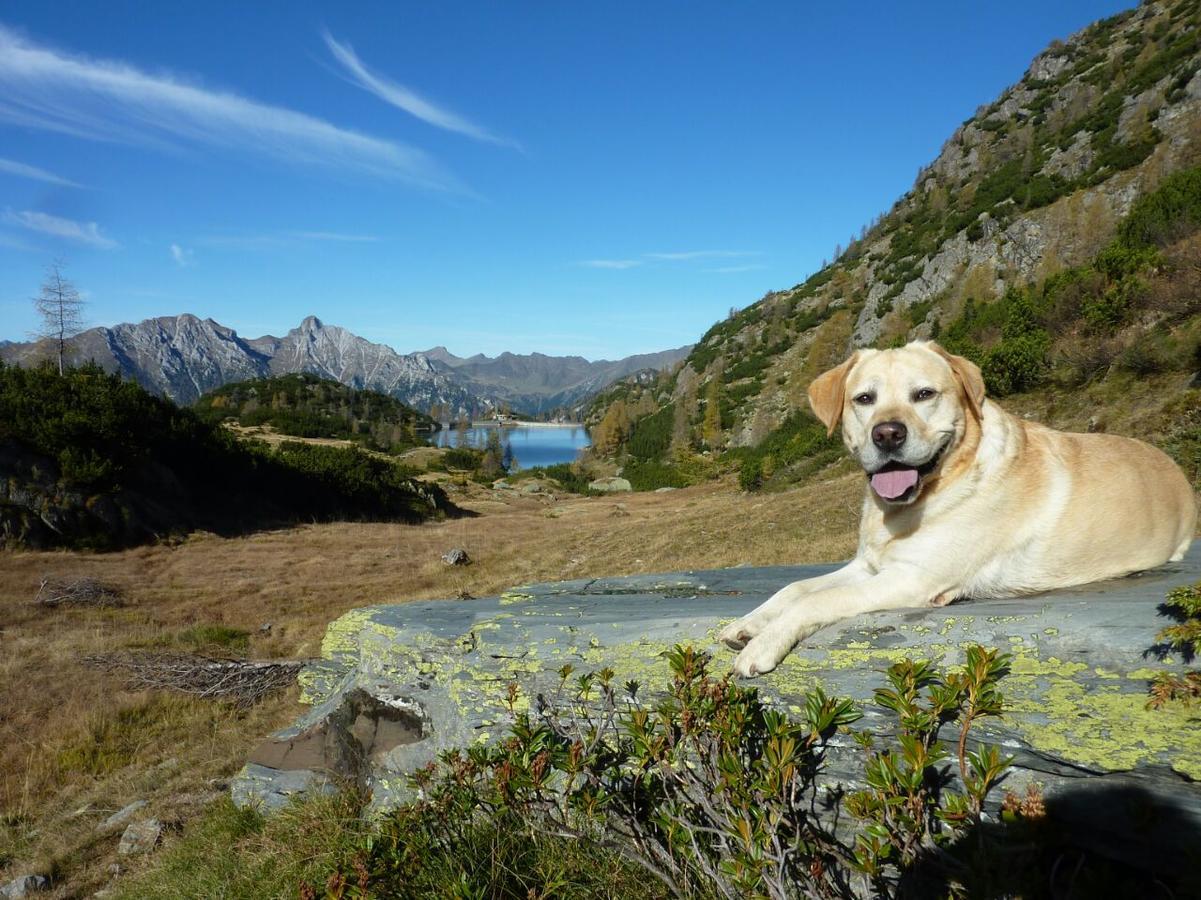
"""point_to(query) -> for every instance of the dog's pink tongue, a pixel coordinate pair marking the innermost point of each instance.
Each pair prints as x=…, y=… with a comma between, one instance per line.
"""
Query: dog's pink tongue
x=893, y=484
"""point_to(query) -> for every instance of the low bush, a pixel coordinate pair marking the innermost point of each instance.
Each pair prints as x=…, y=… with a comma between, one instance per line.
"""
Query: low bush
x=706, y=791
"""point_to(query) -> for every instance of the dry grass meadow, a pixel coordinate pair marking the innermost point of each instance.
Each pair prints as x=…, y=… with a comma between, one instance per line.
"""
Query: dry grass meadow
x=75, y=746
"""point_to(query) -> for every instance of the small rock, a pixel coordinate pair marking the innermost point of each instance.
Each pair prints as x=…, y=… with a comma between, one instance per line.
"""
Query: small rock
x=531, y=487
x=24, y=886
x=456, y=557
x=619, y=511
x=114, y=869
x=218, y=784
x=610, y=485
x=140, y=837
x=122, y=816
x=264, y=628
x=664, y=490
x=1095, y=425
x=464, y=595
x=501, y=485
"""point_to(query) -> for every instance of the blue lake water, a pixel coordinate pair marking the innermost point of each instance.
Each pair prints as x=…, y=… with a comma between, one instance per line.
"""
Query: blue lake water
x=540, y=445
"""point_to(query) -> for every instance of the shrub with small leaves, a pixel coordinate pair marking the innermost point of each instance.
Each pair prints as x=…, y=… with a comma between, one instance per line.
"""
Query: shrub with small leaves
x=1183, y=604
x=907, y=808
x=707, y=790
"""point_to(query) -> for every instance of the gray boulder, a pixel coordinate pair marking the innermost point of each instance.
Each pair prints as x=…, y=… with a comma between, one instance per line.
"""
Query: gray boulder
x=612, y=485
x=140, y=837
x=122, y=816
x=456, y=557
x=24, y=886
x=398, y=684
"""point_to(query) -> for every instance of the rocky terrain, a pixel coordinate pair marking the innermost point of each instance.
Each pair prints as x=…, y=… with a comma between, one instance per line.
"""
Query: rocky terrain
x=183, y=357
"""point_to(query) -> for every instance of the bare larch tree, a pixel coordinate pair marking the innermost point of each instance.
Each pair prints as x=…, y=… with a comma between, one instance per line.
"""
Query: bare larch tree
x=60, y=308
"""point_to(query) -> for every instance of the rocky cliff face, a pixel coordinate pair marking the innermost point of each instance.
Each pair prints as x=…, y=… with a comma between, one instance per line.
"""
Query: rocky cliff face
x=1031, y=184
x=183, y=357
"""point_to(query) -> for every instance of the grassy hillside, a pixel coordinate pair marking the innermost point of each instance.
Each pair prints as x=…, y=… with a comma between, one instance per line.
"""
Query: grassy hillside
x=307, y=406
x=1054, y=240
x=89, y=460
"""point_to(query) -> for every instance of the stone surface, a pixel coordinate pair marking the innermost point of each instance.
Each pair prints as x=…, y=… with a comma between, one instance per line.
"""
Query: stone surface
x=610, y=485
x=140, y=837
x=456, y=557
x=24, y=886
x=1075, y=716
x=122, y=816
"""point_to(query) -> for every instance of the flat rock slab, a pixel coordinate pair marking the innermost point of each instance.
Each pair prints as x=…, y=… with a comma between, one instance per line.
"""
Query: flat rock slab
x=398, y=684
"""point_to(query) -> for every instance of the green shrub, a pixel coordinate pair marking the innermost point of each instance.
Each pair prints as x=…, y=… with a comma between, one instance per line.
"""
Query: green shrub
x=708, y=790
x=1172, y=209
x=650, y=475
x=1184, y=605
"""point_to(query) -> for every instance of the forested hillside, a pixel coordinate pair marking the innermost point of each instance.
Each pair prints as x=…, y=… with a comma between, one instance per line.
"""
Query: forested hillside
x=309, y=406
x=90, y=460
x=1054, y=240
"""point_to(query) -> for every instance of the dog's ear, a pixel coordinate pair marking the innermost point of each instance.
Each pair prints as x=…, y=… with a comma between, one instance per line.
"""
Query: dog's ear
x=827, y=392
x=967, y=373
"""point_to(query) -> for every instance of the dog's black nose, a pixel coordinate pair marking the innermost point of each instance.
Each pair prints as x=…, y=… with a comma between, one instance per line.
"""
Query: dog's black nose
x=889, y=436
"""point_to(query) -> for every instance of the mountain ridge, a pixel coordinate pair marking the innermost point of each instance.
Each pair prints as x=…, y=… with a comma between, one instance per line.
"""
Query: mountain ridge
x=183, y=357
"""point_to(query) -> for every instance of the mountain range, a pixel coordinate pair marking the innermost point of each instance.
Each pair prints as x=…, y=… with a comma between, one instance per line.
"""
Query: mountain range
x=184, y=357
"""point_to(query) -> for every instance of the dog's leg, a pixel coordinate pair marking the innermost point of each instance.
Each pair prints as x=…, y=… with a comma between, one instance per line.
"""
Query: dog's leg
x=737, y=633
x=816, y=610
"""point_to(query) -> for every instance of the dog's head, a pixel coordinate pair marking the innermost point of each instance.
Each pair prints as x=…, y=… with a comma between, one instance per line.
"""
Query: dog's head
x=904, y=412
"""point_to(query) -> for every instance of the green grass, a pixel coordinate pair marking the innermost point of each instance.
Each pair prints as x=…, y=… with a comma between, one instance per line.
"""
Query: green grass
x=240, y=855
x=214, y=637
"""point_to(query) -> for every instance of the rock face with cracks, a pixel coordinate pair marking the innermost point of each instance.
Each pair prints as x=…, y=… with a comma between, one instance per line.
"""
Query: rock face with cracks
x=399, y=684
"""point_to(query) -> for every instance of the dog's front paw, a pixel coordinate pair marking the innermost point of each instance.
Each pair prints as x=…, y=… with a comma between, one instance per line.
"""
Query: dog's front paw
x=761, y=655
x=739, y=633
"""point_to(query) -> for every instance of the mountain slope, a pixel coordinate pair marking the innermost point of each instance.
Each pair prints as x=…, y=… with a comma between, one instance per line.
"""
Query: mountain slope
x=1006, y=238
x=540, y=383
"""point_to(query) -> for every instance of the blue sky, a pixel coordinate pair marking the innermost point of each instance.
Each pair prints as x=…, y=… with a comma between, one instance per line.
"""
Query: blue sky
x=596, y=179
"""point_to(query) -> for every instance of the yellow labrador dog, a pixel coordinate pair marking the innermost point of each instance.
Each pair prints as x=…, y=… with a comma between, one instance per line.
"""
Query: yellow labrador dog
x=966, y=500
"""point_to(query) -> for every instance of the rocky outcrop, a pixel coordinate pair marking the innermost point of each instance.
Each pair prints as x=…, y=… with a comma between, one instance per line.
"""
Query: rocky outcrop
x=1123, y=779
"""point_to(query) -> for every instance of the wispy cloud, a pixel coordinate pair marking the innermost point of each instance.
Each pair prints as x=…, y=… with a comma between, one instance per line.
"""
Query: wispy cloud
x=106, y=100
x=12, y=167
x=726, y=270
x=182, y=256
x=82, y=232
x=702, y=254
x=275, y=240
x=336, y=236
x=611, y=263
x=405, y=98
x=682, y=256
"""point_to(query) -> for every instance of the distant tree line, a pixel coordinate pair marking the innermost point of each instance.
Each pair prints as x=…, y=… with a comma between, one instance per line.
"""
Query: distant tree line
x=306, y=405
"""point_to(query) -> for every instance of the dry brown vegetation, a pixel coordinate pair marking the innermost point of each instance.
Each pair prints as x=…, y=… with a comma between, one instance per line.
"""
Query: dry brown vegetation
x=75, y=746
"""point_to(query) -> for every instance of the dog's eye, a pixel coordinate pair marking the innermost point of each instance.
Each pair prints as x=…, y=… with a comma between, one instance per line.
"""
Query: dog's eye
x=867, y=398
x=924, y=394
